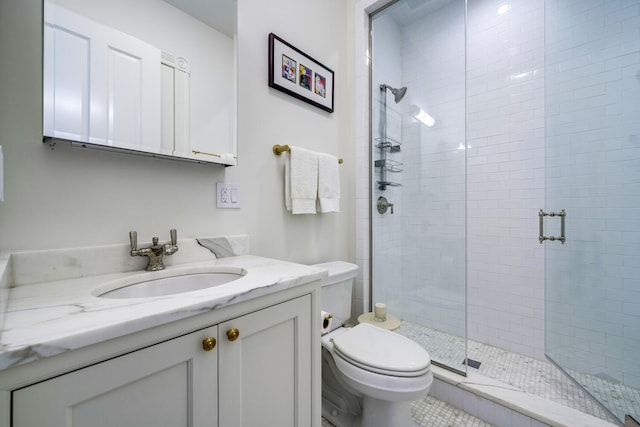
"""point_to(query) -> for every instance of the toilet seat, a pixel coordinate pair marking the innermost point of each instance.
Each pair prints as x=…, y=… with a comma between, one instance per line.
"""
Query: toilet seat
x=384, y=352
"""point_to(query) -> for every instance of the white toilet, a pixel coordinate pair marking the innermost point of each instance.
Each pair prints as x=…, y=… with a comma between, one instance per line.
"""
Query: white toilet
x=369, y=375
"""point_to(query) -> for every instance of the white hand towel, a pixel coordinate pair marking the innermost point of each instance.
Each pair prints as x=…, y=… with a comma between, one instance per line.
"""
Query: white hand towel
x=301, y=181
x=328, y=183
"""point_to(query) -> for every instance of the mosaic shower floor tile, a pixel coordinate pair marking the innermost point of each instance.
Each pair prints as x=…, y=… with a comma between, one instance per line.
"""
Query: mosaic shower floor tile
x=533, y=376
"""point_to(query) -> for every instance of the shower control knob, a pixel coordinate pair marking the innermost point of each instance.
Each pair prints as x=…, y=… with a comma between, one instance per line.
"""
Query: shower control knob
x=383, y=205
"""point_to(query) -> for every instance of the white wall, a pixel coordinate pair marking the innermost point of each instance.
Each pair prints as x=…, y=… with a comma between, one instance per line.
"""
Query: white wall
x=76, y=197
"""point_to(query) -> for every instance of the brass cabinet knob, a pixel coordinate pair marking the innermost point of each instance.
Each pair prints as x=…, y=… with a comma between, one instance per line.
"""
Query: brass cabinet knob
x=233, y=334
x=208, y=344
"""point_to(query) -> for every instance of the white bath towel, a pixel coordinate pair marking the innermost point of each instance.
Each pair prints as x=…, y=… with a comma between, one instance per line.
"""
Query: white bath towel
x=301, y=181
x=328, y=183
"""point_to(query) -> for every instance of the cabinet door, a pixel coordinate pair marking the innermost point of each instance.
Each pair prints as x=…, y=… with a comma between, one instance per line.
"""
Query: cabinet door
x=175, y=108
x=173, y=383
x=100, y=85
x=265, y=374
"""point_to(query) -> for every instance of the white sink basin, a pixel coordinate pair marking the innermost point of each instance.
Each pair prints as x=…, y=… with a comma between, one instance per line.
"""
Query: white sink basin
x=150, y=285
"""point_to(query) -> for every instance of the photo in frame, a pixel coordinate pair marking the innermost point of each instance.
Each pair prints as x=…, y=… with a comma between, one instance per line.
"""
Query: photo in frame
x=297, y=74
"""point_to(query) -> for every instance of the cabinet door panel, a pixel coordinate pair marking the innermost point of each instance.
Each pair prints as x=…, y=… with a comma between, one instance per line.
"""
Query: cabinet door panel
x=132, y=405
x=66, y=84
x=265, y=375
x=155, y=386
x=125, y=98
x=100, y=85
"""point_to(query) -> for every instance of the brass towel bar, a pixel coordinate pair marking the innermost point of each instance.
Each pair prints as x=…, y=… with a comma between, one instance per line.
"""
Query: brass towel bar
x=279, y=149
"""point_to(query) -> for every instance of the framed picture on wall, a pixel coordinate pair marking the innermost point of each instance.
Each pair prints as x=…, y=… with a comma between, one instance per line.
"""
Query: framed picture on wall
x=297, y=74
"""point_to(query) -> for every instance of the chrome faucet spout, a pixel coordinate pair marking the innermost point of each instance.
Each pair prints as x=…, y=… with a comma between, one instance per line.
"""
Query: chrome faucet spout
x=155, y=252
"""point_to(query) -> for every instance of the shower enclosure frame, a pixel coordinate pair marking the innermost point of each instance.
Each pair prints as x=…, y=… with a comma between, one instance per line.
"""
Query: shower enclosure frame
x=377, y=6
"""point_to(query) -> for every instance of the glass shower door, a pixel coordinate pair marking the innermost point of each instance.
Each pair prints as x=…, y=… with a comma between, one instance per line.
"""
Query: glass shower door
x=419, y=167
x=592, y=291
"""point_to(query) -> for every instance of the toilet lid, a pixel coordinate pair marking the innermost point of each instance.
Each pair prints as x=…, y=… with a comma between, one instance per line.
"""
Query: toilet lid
x=382, y=351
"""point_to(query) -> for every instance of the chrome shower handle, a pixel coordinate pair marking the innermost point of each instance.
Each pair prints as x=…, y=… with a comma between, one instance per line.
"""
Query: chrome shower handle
x=383, y=204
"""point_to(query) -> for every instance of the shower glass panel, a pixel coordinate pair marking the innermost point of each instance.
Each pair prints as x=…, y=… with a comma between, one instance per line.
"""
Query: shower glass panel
x=418, y=179
x=592, y=291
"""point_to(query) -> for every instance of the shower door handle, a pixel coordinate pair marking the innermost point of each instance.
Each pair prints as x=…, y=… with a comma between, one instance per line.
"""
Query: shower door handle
x=562, y=214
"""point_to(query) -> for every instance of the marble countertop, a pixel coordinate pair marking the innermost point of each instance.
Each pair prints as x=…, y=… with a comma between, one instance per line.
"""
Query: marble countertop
x=42, y=319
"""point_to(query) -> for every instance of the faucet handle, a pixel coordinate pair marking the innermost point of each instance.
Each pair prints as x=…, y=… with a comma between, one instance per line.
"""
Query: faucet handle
x=383, y=204
x=174, y=237
x=133, y=239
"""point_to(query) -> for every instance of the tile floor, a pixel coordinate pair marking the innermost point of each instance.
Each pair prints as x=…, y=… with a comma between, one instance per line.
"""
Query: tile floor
x=431, y=412
x=534, y=376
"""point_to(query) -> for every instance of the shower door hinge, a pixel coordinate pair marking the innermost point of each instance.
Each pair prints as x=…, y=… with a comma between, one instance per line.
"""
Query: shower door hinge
x=562, y=214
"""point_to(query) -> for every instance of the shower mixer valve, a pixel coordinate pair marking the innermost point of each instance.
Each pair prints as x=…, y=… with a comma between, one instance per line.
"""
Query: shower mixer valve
x=383, y=205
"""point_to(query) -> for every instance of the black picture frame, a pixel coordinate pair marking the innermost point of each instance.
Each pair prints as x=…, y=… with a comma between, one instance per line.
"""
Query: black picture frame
x=297, y=74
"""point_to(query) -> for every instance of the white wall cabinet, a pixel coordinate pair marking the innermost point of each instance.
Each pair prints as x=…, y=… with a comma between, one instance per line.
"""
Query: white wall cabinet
x=100, y=85
x=114, y=78
x=259, y=374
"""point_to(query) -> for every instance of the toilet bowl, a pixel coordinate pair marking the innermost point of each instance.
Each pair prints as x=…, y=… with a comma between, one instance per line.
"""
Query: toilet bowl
x=370, y=375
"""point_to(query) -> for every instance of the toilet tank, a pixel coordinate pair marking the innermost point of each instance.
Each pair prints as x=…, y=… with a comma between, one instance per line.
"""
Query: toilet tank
x=337, y=289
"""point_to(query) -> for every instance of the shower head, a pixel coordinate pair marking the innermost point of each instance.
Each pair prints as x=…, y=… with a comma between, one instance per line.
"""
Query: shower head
x=398, y=94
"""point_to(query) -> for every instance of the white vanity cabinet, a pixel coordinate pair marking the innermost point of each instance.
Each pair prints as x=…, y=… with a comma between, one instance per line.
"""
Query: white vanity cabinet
x=164, y=384
x=260, y=373
x=265, y=373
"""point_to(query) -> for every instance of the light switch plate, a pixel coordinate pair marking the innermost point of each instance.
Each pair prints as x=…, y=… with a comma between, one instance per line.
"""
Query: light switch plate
x=228, y=195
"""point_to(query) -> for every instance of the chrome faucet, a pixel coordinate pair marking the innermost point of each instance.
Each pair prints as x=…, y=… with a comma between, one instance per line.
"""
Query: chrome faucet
x=155, y=252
